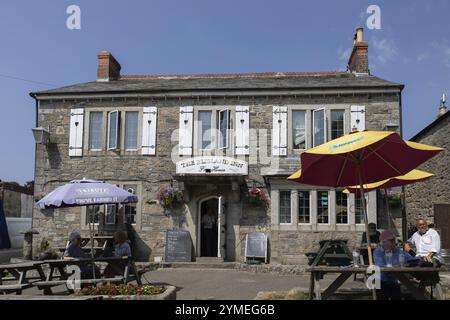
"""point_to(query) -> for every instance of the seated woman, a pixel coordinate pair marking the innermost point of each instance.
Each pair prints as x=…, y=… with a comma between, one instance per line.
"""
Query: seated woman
x=122, y=248
x=74, y=251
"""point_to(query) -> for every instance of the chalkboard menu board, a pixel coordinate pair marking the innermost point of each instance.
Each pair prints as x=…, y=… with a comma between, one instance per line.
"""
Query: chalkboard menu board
x=178, y=246
x=256, y=245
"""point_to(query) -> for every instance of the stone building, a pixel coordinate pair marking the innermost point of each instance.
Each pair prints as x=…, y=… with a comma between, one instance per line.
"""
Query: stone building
x=213, y=137
x=431, y=199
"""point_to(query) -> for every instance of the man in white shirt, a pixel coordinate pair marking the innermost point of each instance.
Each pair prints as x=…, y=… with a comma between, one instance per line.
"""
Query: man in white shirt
x=427, y=242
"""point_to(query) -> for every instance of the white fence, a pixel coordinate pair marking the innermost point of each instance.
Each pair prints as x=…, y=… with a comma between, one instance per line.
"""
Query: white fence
x=15, y=225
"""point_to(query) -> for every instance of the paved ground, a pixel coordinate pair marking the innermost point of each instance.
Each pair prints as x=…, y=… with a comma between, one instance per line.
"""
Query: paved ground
x=229, y=284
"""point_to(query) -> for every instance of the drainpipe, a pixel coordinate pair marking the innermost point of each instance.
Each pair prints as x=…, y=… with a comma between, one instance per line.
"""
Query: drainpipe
x=403, y=200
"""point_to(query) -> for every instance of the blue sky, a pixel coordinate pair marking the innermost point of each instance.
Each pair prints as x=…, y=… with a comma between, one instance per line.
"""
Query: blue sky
x=207, y=36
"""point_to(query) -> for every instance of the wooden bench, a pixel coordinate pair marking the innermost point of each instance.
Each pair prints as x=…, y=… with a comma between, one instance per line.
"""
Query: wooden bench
x=17, y=288
x=54, y=283
x=18, y=274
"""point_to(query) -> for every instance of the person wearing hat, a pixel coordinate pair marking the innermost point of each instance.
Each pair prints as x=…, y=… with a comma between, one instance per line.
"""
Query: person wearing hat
x=74, y=251
x=388, y=254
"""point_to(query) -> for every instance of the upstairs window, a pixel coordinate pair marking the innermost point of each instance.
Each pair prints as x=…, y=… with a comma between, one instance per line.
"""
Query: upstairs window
x=131, y=130
x=205, y=136
x=299, y=129
x=224, y=128
x=319, y=127
x=337, y=123
x=95, y=130
x=113, y=130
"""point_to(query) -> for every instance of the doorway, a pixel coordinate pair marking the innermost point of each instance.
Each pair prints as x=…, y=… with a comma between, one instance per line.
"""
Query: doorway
x=209, y=217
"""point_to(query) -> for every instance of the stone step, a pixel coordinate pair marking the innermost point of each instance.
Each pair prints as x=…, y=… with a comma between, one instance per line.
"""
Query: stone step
x=200, y=265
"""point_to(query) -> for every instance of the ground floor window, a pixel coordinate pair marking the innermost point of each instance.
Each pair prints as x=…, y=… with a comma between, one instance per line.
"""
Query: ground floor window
x=285, y=207
x=304, y=213
x=359, y=214
x=341, y=208
x=322, y=207
x=108, y=214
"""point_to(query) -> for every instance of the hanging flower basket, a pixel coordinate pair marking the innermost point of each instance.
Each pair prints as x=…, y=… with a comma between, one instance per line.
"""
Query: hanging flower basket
x=257, y=198
x=170, y=198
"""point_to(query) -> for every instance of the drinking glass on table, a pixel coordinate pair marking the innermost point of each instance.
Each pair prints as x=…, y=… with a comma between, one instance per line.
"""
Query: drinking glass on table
x=388, y=257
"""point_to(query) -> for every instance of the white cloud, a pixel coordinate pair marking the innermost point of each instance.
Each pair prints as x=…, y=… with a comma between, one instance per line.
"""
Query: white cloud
x=422, y=56
x=385, y=50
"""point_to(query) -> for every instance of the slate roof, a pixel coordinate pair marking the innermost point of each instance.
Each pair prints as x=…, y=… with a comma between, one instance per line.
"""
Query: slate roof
x=230, y=82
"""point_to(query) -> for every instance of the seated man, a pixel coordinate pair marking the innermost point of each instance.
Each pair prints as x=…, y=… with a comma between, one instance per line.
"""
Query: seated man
x=374, y=240
x=390, y=287
x=427, y=243
x=74, y=251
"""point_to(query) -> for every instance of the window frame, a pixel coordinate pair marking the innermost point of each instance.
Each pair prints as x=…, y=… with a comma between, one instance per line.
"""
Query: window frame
x=200, y=131
x=328, y=207
x=125, y=131
x=290, y=208
x=108, y=132
x=305, y=111
x=89, y=133
x=348, y=208
x=324, y=110
x=343, y=122
x=309, y=209
x=227, y=112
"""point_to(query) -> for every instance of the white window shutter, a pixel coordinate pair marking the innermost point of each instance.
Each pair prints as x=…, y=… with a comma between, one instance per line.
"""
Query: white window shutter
x=242, y=130
x=76, y=132
x=279, y=131
x=185, y=131
x=149, y=119
x=358, y=118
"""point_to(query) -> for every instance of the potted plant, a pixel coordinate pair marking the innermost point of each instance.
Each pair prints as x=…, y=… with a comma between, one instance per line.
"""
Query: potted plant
x=258, y=198
x=169, y=198
x=45, y=251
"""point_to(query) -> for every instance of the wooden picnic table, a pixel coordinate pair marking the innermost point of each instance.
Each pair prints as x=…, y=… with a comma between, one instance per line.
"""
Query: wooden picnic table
x=403, y=274
x=18, y=276
x=53, y=279
x=100, y=243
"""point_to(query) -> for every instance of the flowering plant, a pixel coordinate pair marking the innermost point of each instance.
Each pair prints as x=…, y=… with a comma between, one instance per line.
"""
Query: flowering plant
x=258, y=197
x=169, y=197
x=120, y=290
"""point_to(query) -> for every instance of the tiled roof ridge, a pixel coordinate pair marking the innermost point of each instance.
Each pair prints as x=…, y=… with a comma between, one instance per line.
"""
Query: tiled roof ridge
x=237, y=75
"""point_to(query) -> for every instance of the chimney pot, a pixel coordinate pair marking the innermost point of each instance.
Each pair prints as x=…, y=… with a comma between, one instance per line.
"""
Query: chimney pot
x=359, y=34
x=108, y=67
x=442, y=107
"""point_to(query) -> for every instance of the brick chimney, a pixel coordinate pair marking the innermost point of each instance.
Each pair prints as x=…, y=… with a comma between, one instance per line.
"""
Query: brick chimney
x=108, y=67
x=358, y=61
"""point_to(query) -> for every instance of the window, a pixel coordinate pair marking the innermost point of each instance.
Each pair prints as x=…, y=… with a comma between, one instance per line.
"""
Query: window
x=285, y=207
x=337, y=123
x=131, y=130
x=322, y=206
x=111, y=213
x=113, y=130
x=303, y=207
x=299, y=129
x=224, y=128
x=319, y=127
x=359, y=214
x=130, y=208
x=95, y=130
x=205, y=137
x=93, y=213
x=341, y=208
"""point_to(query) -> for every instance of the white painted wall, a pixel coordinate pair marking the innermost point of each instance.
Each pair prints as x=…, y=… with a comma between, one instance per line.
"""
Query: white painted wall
x=15, y=225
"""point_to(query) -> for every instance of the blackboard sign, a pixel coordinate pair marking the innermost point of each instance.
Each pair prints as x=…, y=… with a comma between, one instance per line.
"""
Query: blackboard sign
x=178, y=246
x=256, y=245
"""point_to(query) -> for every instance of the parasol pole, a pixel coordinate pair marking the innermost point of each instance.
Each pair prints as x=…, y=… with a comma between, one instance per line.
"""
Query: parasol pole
x=366, y=222
x=387, y=208
x=92, y=244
